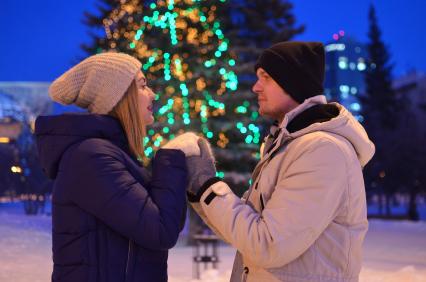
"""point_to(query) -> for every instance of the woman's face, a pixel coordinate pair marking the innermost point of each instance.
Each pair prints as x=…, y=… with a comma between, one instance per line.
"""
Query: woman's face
x=145, y=98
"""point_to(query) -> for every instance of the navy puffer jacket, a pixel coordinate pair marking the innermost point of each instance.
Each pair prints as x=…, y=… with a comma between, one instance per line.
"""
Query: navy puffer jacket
x=112, y=220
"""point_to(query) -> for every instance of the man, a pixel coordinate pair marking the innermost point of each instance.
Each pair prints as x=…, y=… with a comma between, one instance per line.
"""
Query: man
x=304, y=217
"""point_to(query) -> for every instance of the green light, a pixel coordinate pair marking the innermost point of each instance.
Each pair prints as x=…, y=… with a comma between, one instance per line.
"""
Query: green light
x=220, y=174
x=152, y=6
x=132, y=45
x=223, y=46
x=166, y=130
x=203, y=19
x=151, y=132
x=148, y=151
x=241, y=110
x=218, y=54
x=209, y=134
x=231, y=62
x=243, y=130
x=239, y=125
x=208, y=64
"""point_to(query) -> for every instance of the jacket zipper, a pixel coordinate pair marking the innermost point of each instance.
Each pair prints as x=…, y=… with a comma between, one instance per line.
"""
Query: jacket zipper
x=129, y=257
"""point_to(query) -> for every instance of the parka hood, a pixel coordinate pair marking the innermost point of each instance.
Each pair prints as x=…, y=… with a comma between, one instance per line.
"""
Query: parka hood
x=55, y=134
x=340, y=122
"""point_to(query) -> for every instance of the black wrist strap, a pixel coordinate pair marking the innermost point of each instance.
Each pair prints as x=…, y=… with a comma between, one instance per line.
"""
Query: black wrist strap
x=193, y=198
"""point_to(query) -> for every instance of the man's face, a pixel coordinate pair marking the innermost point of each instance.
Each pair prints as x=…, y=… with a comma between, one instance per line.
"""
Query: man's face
x=273, y=101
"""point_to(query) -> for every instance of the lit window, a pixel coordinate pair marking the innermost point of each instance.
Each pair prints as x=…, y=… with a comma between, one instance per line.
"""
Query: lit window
x=355, y=107
x=361, y=66
x=360, y=118
x=343, y=63
x=335, y=47
x=344, y=88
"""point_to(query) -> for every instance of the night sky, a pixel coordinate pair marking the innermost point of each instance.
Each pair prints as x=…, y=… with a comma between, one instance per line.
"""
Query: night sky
x=41, y=39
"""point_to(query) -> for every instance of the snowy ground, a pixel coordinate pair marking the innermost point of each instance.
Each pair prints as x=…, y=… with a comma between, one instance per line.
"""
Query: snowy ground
x=394, y=251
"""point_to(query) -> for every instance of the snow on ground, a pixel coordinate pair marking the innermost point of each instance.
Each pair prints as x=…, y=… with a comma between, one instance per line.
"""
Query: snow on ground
x=393, y=252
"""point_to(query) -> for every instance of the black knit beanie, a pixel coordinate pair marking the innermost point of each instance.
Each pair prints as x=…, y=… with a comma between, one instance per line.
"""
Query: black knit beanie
x=298, y=67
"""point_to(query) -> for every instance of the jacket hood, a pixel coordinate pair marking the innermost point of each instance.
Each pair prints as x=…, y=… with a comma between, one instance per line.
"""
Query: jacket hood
x=55, y=134
x=343, y=124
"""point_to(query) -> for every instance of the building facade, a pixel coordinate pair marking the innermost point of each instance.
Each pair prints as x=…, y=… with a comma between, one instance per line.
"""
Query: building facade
x=346, y=63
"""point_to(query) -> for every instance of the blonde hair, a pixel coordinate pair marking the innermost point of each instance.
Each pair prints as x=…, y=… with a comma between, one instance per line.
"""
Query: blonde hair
x=127, y=111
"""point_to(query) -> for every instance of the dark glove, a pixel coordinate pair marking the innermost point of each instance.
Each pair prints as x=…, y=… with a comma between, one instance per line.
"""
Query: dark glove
x=200, y=168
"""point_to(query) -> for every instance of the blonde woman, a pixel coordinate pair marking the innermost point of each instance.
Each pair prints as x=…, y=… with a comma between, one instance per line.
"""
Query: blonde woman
x=112, y=219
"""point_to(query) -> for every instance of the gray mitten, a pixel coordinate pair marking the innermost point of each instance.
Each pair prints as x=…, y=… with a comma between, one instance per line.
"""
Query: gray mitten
x=200, y=168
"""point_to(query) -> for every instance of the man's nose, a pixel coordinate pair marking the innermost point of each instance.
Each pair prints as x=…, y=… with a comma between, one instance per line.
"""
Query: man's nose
x=256, y=87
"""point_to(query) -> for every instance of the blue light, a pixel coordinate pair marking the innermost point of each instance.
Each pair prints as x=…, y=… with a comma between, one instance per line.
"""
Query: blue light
x=355, y=107
x=361, y=66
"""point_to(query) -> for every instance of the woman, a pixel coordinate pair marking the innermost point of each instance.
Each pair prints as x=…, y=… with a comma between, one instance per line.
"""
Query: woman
x=112, y=221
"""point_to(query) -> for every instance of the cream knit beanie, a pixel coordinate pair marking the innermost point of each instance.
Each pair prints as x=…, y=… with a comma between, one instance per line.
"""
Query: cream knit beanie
x=97, y=83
